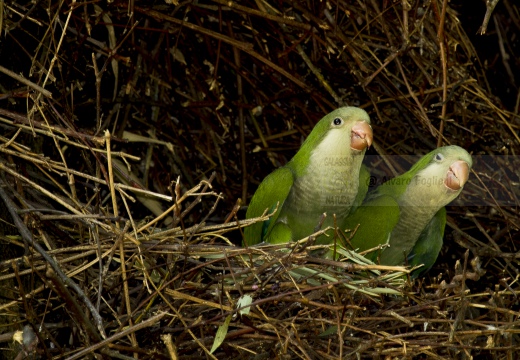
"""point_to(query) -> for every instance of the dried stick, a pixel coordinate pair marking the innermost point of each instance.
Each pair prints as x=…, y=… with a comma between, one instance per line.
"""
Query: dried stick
x=72, y=305
x=97, y=76
x=28, y=239
x=318, y=74
x=130, y=330
x=55, y=57
x=444, y=61
x=490, y=6
x=254, y=12
x=246, y=47
x=241, y=123
x=115, y=209
x=23, y=80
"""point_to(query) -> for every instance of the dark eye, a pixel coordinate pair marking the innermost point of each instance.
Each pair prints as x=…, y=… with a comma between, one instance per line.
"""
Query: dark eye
x=337, y=121
x=439, y=157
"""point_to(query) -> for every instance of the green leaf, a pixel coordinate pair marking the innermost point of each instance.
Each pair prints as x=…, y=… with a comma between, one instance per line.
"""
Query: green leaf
x=332, y=330
x=244, y=301
x=221, y=334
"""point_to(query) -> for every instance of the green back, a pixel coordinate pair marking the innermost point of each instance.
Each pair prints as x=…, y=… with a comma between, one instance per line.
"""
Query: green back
x=376, y=219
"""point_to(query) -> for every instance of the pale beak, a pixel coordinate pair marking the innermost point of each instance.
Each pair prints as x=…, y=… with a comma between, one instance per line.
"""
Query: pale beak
x=457, y=175
x=361, y=136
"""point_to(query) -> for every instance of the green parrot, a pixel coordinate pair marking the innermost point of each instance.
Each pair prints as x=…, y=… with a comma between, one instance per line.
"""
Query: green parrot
x=323, y=177
x=408, y=211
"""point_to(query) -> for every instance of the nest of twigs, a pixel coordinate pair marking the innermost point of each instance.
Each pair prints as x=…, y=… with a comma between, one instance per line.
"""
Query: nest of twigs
x=131, y=130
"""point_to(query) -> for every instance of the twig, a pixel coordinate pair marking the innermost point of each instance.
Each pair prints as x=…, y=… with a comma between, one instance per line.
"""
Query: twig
x=320, y=77
x=23, y=80
x=490, y=6
x=72, y=305
x=283, y=20
x=27, y=237
x=115, y=209
x=56, y=52
x=444, y=63
x=246, y=47
x=129, y=330
x=504, y=55
x=97, y=77
x=241, y=122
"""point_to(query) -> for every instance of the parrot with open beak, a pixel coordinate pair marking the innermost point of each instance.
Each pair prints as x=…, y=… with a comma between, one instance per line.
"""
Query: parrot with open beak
x=325, y=176
x=408, y=212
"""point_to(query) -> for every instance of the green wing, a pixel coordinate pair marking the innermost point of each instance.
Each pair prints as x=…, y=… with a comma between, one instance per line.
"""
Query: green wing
x=364, y=180
x=429, y=244
x=274, y=189
x=374, y=221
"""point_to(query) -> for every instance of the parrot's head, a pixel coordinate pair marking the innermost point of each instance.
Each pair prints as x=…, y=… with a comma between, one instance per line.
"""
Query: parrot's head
x=441, y=174
x=346, y=130
x=345, y=127
x=336, y=139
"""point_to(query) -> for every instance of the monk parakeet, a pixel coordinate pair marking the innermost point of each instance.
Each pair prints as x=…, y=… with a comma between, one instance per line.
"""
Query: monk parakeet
x=408, y=211
x=323, y=177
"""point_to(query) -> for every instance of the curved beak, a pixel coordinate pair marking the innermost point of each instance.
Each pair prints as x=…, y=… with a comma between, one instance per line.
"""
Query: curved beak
x=457, y=175
x=361, y=136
